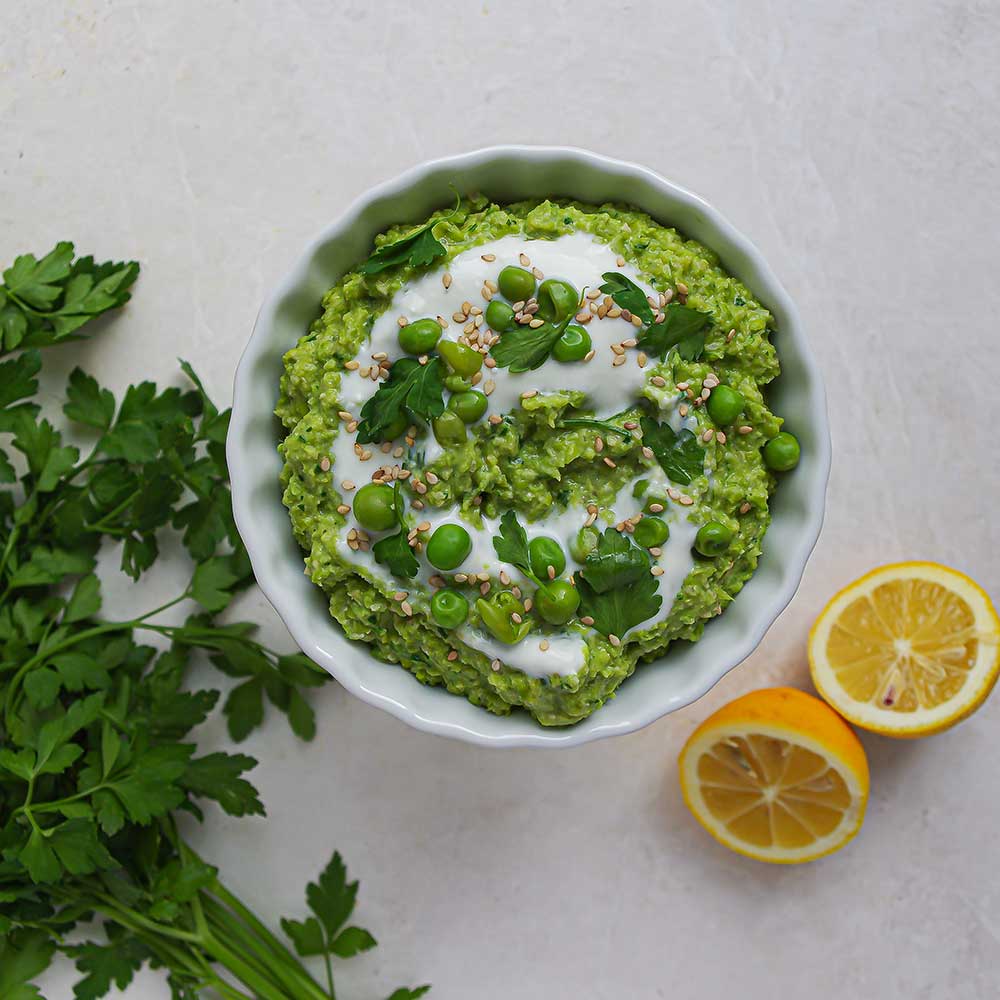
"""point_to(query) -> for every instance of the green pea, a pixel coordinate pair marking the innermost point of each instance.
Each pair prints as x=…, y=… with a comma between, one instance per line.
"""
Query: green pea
x=449, y=546
x=650, y=532
x=724, y=405
x=573, y=345
x=713, y=538
x=544, y=552
x=557, y=300
x=457, y=383
x=470, y=406
x=449, y=428
x=500, y=316
x=782, y=452
x=374, y=506
x=420, y=337
x=396, y=428
x=449, y=608
x=557, y=601
x=516, y=284
x=584, y=542
x=462, y=360
x=496, y=615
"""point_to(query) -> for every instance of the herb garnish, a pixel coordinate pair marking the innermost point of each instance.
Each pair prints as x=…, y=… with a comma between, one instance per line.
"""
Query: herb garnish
x=511, y=544
x=96, y=757
x=523, y=349
x=682, y=327
x=412, y=390
x=616, y=587
x=394, y=550
x=627, y=295
x=417, y=249
x=600, y=425
x=680, y=455
x=44, y=301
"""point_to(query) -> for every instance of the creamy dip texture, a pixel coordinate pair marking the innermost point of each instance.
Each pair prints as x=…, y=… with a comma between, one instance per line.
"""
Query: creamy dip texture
x=564, y=447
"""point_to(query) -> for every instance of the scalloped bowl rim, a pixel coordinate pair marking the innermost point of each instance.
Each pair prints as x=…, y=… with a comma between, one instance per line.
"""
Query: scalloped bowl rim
x=263, y=524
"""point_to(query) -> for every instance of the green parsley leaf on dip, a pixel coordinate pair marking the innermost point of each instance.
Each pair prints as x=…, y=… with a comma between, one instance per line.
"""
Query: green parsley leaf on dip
x=525, y=458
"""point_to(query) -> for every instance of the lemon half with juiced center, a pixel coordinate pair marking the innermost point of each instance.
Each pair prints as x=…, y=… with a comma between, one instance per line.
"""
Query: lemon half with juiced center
x=908, y=650
x=776, y=775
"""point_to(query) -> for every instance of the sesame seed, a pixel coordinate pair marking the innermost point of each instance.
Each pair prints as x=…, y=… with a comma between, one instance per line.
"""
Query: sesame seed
x=495, y=666
x=536, y=323
x=420, y=488
x=583, y=316
x=504, y=577
x=491, y=285
x=656, y=551
x=484, y=589
x=446, y=280
x=720, y=437
x=745, y=508
x=589, y=355
x=614, y=312
x=682, y=410
x=618, y=360
x=475, y=311
x=598, y=444
x=630, y=425
x=745, y=429
x=477, y=378
x=344, y=415
x=365, y=372
x=591, y=518
x=705, y=393
x=642, y=359
x=686, y=501
x=460, y=578
x=489, y=257
x=403, y=321
x=495, y=419
x=730, y=335
x=347, y=484
x=432, y=478
x=442, y=322
x=424, y=526
x=551, y=571
x=418, y=504
x=647, y=452
x=657, y=571
x=620, y=261
x=683, y=386
x=352, y=427
x=400, y=595
x=489, y=386
x=324, y=463
x=530, y=394
x=617, y=349
x=423, y=359
x=516, y=591
x=538, y=273
x=458, y=317
x=708, y=435
x=343, y=509
x=602, y=311
x=402, y=474
x=627, y=315
x=609, y=463
x=656, y=508
x=490, y=362
x=486, y=293
x=468, y=328
x=406, y=608
x=466, y=308
x=437, y=581
x=658, y=380
x=453, y=655
x=352, y=366
x=614, y=640
x=524, y=259
x=631, y=342
x=673, y=493
x=516, y=618
x=543, y=645
x=397, y=452
x=682, y=289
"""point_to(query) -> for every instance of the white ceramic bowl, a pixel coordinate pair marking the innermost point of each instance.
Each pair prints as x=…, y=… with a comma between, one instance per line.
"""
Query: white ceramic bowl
x=509, y=173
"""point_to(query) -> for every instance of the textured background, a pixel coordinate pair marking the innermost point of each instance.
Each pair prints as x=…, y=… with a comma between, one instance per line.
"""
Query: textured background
x=858, y=146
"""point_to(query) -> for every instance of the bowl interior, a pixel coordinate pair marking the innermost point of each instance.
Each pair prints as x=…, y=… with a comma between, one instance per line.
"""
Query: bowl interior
x=511, y=174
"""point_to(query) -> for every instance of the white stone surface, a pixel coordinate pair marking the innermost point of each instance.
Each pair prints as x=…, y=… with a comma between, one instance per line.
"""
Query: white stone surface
x=857, y=145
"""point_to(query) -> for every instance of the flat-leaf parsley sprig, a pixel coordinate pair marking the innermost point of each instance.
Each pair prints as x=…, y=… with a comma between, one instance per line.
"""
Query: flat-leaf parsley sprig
x=96, y=754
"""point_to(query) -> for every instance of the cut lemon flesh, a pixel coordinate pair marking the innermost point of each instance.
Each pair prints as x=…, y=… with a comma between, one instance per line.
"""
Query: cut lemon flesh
x=776, y=775
x=907, y=650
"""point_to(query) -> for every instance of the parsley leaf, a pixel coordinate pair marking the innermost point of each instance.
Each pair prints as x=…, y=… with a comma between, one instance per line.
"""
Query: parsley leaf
x=217, y=776
x=680, y=455
x=616, y=587
x=417, y=249
x=394, y=550
x=627, y=295
x=106, y=965
x=523, y=349
x=615, y=562
x=23, y=956
x=511, y=544
x=412, y=390
x=682, y=327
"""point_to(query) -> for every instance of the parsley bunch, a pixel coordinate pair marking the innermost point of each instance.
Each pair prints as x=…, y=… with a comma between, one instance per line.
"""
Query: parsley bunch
x=96, y=758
